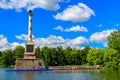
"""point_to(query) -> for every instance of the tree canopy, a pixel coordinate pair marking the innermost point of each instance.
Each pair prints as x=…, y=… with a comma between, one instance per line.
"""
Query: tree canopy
x=114, y=40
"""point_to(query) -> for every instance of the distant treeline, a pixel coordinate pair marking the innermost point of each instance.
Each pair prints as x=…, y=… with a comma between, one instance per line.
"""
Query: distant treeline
x=109, y=57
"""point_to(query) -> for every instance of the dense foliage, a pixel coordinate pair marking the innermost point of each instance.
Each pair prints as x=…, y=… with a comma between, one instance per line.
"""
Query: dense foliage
x=109, y=58
x=52, y=56
x=114, y=40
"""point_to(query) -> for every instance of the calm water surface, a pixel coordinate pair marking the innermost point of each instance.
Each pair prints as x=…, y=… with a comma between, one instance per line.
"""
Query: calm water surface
x=58, y=75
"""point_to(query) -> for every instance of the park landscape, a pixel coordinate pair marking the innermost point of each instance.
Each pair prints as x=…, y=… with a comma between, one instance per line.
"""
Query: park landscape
x=90, y=42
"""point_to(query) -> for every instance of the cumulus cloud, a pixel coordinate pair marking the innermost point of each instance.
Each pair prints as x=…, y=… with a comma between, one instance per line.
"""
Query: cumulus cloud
x=23, y=37
x=100, y=37
x=4, y=44
x=3, y=41
x=56, y=41
x=76, y=28
x=50, y=41
x=75, y=13
x=59, y=27
x=30, y=4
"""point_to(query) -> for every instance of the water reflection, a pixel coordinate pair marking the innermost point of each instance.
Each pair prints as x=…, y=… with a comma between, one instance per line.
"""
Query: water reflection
x=27, y=75
x=63, y=75
x=109, y=76
x=78, y=74
x=7, y=74
x=71, y=75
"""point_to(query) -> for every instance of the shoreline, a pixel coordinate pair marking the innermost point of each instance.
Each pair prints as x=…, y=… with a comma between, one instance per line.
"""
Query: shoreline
x=71, y=67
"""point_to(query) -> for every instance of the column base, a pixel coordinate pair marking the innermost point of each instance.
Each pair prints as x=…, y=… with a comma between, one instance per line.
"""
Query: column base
x=29, y=56
x=27, y=64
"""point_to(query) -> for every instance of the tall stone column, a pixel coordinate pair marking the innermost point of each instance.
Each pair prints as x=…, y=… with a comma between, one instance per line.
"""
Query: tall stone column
x=29, y=50
x=29, y=61
x=30, y=26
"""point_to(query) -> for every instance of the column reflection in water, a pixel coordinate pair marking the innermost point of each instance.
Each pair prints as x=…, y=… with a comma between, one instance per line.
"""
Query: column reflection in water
x=27, y=75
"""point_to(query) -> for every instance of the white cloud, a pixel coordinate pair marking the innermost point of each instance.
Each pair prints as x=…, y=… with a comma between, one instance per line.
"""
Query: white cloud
x=76, y=28
x=55, y=41
x=50, y=41
x=4, y=44
x=100, y=37
x=23, y=37
x=79, y=40
x=30, y=4
x=75, y=13
x=3, y=41
x=59, y=27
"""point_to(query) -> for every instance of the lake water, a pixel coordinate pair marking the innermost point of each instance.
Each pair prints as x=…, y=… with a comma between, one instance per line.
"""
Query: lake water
x=58, y=75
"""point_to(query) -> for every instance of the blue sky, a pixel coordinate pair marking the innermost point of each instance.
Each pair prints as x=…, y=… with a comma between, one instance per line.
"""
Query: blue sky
x=74, y=23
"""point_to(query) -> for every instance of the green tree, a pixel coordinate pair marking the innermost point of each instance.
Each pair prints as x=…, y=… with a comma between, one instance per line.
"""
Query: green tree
x=110, y=55
x=79, y=57
x=74, y=57
x=60, y=56
x=46, y=55
x=83, y=54
x=111, y=66
x=95, y=57
x=68, y=56
x=7, y=58
x=53, y=57
x=114, y=40
x=38, y=52
x=110, y=59
x=0, y=58
x=19, y=52
x=0, y=53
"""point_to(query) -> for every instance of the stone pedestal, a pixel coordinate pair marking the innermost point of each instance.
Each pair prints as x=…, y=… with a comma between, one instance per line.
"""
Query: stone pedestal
x=29, y=61
x=22, y=63
x=29, y=50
